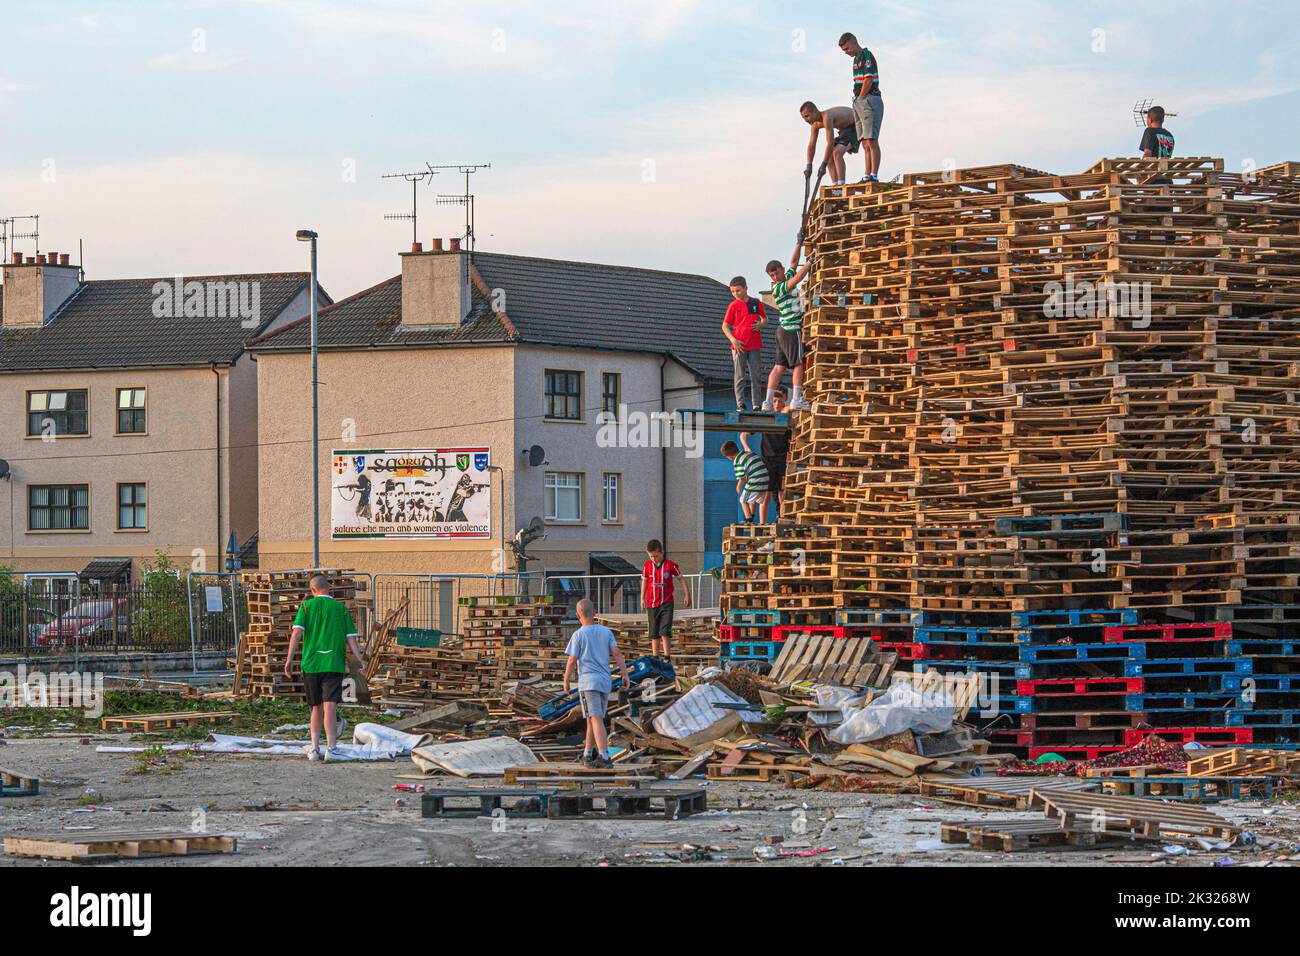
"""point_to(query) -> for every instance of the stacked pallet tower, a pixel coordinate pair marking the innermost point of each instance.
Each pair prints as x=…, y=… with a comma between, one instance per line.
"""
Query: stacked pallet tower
x=1055, y=439
x=273, y=599
x=694, y=644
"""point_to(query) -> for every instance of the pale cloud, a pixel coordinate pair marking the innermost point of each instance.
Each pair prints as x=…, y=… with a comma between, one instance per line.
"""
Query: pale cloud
x=189, y=60
x=7, y=87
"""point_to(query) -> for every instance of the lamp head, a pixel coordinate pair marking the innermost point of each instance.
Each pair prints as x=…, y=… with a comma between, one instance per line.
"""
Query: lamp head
x=305, y=235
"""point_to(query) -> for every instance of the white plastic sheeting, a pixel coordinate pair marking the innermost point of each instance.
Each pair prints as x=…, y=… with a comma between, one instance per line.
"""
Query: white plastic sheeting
x=370, y=742
x=694, y=716
x=902, y=707
x=489, y=757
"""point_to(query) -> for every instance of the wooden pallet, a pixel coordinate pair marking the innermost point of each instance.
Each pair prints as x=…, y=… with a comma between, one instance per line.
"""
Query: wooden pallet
x=1189, y=789
x=97, y=847
x=152, y=723
x=550, y=772
x=1132, y=817
x=14, y=784
x=1010, y=836
x=1014, y=793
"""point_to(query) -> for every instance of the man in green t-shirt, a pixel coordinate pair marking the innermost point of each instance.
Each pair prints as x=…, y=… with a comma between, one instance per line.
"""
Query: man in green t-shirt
x=325, y=628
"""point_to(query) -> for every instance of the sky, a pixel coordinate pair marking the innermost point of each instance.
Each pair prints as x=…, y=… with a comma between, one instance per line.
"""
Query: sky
x=196, y=136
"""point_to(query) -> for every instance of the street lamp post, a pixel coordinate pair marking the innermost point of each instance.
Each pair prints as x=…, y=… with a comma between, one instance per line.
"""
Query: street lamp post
x=306, y=235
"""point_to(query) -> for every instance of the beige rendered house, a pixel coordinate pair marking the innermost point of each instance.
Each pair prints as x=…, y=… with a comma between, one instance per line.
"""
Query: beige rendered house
x=128, y=414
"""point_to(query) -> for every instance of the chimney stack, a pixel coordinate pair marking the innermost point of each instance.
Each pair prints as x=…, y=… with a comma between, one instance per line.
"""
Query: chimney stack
x=35, y=288
x=435, y=288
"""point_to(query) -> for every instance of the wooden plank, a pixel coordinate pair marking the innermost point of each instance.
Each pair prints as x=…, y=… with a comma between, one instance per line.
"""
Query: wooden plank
x=93, y=847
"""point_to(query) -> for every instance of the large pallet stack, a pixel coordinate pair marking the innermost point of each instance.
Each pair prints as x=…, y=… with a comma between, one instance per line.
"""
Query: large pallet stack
x=1039, y=395
x=514, y=638
x=273, y=599
x=694, y=643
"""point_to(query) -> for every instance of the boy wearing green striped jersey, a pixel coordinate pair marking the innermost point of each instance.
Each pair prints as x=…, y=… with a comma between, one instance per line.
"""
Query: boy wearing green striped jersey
x=789, y=332
x=753, y=483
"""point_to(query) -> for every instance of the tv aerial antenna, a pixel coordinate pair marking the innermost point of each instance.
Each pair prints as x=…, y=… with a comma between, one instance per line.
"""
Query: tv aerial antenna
x=466, y=199
x=1140, y=112
x=414, y=178
x=10, y=234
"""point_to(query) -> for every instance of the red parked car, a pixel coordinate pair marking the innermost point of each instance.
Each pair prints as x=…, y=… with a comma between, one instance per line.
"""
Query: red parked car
x=90, y=622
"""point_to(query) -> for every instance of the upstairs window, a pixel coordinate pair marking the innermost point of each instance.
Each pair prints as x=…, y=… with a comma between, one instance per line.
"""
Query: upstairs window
x=57, y=413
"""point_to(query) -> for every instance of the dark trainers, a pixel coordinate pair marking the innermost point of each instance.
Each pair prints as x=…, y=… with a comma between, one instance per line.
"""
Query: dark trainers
x=589, y=760
x=603, y=763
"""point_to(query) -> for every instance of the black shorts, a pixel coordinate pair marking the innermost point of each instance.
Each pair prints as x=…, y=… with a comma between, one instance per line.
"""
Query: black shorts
x=776, y=474
x=661, y=621
x=789, y=347
x=323, y=688
x=848, y=138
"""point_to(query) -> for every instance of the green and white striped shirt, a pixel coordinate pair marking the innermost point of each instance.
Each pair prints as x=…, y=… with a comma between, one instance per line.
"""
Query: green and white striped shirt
x=751, y=468
x=788, y=304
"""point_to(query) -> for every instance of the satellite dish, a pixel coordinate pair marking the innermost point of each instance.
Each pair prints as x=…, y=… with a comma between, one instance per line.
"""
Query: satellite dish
x=536, y=527
x=4, y=469
x=536, y=456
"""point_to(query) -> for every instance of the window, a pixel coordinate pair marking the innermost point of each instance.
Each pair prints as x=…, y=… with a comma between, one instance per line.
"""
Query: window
x=57, y=413
x=611, y=505
x=611, y=394
x=564, y=496
x=132, y=507
x=564, y=395
x=58, y=507
x=130, y=411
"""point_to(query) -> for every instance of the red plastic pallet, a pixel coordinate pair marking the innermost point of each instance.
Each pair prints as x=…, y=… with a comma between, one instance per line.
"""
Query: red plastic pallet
x=732, y=632
x=1220, y=631
x=906, y=652
x=1231, y=736
x=783, y=631
x=1071, y=686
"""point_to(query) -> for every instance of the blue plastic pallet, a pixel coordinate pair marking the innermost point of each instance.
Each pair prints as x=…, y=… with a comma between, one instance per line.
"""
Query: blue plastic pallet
x=1110, y=617
x=966, y=667
x=1263, y=718
x=958, y=635
x=1065, y=653
x=1272, y=648
x=750, y=650
x=1269, y=683
x=754, y=617
x=1180, y=702
x=1170, y=666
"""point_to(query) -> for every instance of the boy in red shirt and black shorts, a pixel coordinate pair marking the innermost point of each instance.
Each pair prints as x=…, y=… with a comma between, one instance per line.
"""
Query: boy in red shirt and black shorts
x=657, y=576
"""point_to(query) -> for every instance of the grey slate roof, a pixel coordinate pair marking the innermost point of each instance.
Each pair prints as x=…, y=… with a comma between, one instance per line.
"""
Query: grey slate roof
x=110, y=324
x=553, y=302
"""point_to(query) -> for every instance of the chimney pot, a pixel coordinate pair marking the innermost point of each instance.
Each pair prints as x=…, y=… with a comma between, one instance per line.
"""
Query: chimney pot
x=65, y=259
x=417, y=247
x=436, y=245
x=52, y=258
x=40, y=259
x=31, y=260
x=455, y=245
x=18, y=258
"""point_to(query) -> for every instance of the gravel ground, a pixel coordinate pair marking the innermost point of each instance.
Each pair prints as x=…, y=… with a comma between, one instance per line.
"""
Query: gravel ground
x=285, y=810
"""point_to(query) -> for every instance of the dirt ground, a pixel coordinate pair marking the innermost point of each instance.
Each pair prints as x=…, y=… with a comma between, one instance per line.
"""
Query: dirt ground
x=285, y=810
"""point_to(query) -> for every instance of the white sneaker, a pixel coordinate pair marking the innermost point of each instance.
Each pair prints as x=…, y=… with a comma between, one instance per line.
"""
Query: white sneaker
x=312, y=752
x=800, y=405
x=332, y=753
x=767, y=406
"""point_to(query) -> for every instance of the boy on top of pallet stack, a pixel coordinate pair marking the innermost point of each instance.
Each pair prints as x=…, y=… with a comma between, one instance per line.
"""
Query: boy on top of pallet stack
x=789, y=331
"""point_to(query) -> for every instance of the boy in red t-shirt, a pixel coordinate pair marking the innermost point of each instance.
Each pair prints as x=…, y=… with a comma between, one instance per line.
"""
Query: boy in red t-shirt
x=745, y=317
x=657, y=576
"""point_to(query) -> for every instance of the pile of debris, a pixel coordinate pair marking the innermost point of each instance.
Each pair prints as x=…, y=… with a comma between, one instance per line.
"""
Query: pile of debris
x=273, y=599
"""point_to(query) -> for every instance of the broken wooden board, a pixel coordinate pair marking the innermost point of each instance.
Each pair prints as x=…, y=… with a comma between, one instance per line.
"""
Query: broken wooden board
x=151, y=723
x=532, y=773
x=454, y=715
x=1132, y=817
x=92, y=848
x=1010, y=792
x=842, y=661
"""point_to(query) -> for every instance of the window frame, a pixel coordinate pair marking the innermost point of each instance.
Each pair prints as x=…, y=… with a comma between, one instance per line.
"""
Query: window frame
x=27, y=408
x=618, y=497
x=118, y=505
x=549, y=395
x=550, y=496
x=143, y=410
x=606, y=413
x=31, y=488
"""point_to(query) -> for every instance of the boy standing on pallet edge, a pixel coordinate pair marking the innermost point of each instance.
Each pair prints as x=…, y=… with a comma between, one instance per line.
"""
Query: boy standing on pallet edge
x=658, y=575
x=744, y=319
x=1157, y=142
x=753, y=483
x=868, y=107
x=789, y=332
x=325, y=628
x=590, y=650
